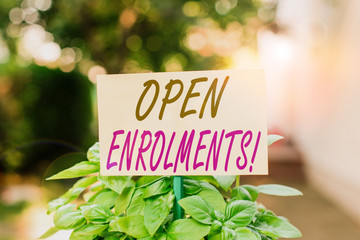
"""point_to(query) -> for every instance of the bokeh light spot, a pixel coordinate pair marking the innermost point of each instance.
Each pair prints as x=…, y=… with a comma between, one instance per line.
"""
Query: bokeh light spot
x=16, y=15
x=128, y=18
x=31, y=15
x=94, y=71
x=196, y=40
x=43, y=5
x=142, y=5
x=134, y=42
x=191, y=9
x=223, y=7
x=49, y=52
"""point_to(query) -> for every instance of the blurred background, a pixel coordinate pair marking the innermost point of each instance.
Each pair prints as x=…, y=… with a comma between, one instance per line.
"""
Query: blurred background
x=51, y=52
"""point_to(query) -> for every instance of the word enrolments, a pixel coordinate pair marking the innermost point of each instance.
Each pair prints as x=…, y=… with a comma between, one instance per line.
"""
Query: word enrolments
x=184, y=123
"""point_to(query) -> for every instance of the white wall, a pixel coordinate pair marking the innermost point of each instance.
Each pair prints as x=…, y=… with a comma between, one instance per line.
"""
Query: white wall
x=323, y=92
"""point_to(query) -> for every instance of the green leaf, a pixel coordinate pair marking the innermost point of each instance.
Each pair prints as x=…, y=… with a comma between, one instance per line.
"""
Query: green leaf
x=219, y=216
x=216, y=227
x=55, y=204
x=51, y=231
x=209, y=179
x=64, y=209
x=157, y=188
x=273, y=138
x=78, y=170
x=170, y=217
x=147, y=238
x=116, y=238
x=263, y=237
x=269, y=212
x=75, y=236
x=115, y=183
x=107, y=233
x=281, y=217
x=161, y=236
x=224, y=234
x=240, y=193
x=212, y=195
x=131, y=183
x=147, y=180
x=93, y=154
x=253, y=191
x=246, y=233
x=187, y=229
x=230, y=225
x=72, y=193
x=191, y=187
x=198, y=209
x=225, y=182
x=97, y=187
x=137, y=204
x=240, y=212
x=96, y=213
x=132, y=225
x=276, y=227
x=123, y=200
x=105, y=198
x=90, y=229
x=260, y=207
x=279, y=190
x=114, y=227
x=156, y=210
x=77, y=189
x=67, y=218
x=85, y=182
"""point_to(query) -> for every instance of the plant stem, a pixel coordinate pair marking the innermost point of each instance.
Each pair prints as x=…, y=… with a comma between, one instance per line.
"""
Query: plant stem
x=237, y=180
x=178, y=192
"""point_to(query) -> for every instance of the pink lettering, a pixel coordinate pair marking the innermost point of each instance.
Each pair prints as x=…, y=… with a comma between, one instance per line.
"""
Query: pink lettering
x=113, y=147
x=184, y=151
x=214, y=152
x=243, y=146
x=157, y=135
x=199, y=147
x=143, y=149
x=129, y=152
x=232, y=135
x=166, y=164
x=255, y=151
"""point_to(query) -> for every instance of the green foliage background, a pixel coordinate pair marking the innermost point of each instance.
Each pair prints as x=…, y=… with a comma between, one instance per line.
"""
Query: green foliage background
x=46, y=112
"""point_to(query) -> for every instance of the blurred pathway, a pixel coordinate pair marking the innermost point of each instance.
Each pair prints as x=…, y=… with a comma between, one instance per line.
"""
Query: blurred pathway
x=316, y=217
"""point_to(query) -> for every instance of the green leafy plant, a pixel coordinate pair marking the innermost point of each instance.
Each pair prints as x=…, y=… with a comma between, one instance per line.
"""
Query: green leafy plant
x=125, y=207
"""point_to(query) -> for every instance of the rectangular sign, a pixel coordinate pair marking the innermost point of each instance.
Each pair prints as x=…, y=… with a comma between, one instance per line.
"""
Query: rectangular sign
x=183, y=123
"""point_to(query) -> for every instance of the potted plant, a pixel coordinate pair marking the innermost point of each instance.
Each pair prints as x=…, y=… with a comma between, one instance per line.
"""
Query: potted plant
x=125, y=207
